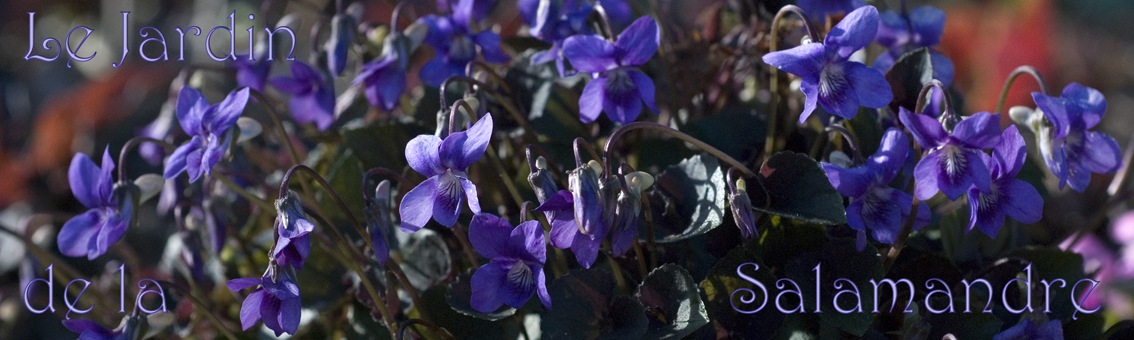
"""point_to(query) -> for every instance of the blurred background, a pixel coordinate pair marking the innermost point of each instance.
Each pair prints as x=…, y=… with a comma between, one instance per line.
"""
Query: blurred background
x=49, y=112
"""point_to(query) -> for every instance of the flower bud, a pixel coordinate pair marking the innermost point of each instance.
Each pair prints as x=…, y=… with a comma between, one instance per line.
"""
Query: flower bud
x=628, y=206
x=377, y=214
x=585, y=192
x=338, y=46
x=741, y=207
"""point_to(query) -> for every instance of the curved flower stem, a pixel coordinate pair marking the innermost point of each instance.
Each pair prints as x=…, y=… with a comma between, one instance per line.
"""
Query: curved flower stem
x=465, y=79
x=472, y=65
x=681, y=135
x=921, y=97
x=382, y=171
x=330, y=191
x=1012, y=78
x=642, y=269
x=453, y=113
x=348, y=260
x=773, y=78
x=586, y=146
x=851, y=143
x=907, y=226
x=280, y=131
x=397, y=15
x=607, y=28
x=444, y=333
x=133, y=142
x=262, y=203
x=201, y=305
x=466, y=245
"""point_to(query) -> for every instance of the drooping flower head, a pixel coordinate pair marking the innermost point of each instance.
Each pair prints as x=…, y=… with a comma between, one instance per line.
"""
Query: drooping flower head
x=312, y=96
x=828, y=77
x=377, y=210
x=628, y=205
x=444, y=162
x=874, y=204
x=456, y=41
x=516, y=270
x=294, y=244
x=110, y=211
x=384, y=77
x=1007, y=195
x=1072, y=152
x=252, y=73
x=820, y=9
x=206, y=124
x=276, y=301
x=741, y=207
x=565, y=232
x=617, y=88
x=954, y=162
x=553, y=23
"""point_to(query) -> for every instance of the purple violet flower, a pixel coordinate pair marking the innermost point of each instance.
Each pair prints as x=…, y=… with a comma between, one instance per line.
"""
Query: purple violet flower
x=874, y=204
x=628, y=205
x=252, y=73
x=554, y=24
x=92, y=232
x=565, y=232
x=954, y=162
x=206, y=124
x=516, y=270
x=1071, y=152
x=1007, y=195
x=819, y=9
x=456, y=41
x=444, y=162
x=828, y=77
x=276, y=302
x=294, y=244
x=1028, y=330
x=384, y=80
x=313, y=97
x=617, y=88
x=741, y=207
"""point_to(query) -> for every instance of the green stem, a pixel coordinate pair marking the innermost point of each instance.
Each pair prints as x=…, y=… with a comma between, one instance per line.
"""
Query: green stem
x=681, y=135
x=1012, y=78
x=773, y=77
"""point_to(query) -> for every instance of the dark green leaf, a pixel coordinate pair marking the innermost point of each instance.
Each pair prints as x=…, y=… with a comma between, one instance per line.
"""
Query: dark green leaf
x=426, y=257
x=795, y=186
x=1122, y=330
x=584, y=308
x=723, y=289
x=908, y=75
x=436, y=302
x=673, y=303
x=734, y=130
x=459, y=297
x=381, y=144
x=688, y=199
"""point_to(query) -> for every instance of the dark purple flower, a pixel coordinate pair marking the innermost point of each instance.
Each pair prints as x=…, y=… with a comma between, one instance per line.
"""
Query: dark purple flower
x=1071, y=152
x=252, y=73
x=276, y=302
x=1028, y=330
x=741, y=207
x=384, y=80
x=92, y=232
x=618, y=11
x=516, y=270
x=874, y=204
x=377, y=212
x=1007, y=195
x=338, y=45
x=819, y=9
x=293, y=244
x=954, y=162
x=132, y=327
x=207, y=125
x=554, y=24
x=627, y=206
x=565, y=232
x=444, y=162
x=923, y=29
x=828, y=77
x=617, y=88
x=587, y=198
x=312, y=96
x=455, y=42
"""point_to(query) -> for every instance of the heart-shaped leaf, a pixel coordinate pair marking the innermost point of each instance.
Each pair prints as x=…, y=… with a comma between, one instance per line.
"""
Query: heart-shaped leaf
x=673, y=303
x=795, y=186
x=908, y=75
x=688, y=199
